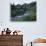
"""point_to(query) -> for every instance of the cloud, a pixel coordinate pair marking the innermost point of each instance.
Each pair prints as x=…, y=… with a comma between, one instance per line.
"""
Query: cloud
x=21, y=1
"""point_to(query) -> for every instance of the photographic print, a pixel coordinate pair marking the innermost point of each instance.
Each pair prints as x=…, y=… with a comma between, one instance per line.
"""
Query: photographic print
x=23, y=11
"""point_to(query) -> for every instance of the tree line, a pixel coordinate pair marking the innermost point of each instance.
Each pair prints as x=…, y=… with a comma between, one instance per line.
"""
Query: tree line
x=19, y=9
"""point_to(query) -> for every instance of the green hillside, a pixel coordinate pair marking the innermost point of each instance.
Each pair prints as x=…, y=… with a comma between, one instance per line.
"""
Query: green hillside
x=20, y=10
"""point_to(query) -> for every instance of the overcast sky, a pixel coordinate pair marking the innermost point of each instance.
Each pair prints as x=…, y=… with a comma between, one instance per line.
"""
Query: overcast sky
x=30, y=30
x=21, y=1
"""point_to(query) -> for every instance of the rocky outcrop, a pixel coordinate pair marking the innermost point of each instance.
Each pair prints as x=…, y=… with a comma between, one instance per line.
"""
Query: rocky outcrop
x=39, y=40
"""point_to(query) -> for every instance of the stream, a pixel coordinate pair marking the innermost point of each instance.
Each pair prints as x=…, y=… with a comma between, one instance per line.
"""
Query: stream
x=18, y=17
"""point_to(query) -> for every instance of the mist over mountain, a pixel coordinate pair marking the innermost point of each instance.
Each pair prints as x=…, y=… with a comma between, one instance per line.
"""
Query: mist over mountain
x=19, y=10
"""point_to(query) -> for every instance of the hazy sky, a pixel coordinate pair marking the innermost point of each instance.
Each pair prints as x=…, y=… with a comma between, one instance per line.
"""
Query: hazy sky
x=21, y=1
x=30, y=30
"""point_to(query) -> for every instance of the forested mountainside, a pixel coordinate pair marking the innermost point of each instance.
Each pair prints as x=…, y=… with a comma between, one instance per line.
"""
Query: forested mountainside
x=19, y=10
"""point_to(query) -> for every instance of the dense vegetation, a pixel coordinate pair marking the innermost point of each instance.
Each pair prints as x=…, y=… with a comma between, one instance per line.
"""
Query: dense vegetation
x=19, y=10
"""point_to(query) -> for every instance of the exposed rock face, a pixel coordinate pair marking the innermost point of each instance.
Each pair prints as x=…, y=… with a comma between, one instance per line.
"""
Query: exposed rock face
x=39, y=40
x=11, y=40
